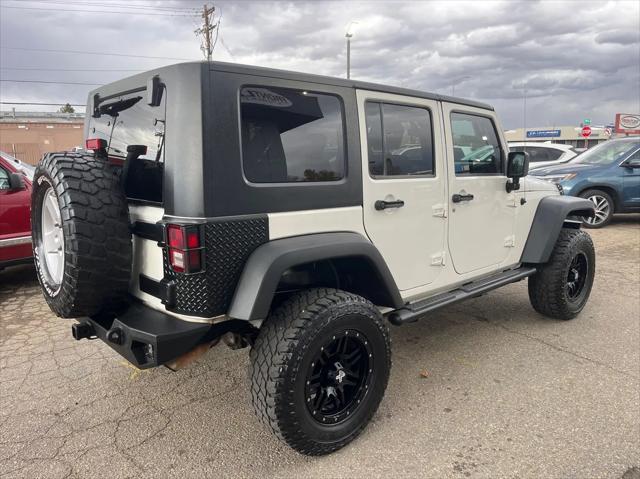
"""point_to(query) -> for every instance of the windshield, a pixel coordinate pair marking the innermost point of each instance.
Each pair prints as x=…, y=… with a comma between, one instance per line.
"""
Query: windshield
x=25, y=168
x=607, y=152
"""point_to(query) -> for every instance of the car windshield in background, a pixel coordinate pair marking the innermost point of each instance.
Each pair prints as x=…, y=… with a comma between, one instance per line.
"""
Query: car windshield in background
x=130, y=121
x=25, y=168
x=607, y=152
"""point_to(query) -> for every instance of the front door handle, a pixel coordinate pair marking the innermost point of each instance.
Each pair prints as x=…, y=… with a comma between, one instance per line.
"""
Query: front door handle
x=384, y=205
x=457, y=198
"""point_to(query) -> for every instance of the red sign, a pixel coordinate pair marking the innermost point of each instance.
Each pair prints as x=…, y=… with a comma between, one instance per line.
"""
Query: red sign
x=586, y=131
x=627, y=123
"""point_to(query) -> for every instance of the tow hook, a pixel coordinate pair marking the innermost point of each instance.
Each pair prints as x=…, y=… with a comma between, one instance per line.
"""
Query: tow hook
x=82, y=331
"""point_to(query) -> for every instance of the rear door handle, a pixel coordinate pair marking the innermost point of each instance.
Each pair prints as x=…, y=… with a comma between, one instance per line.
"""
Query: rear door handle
x=457, y=198
x=384, y=205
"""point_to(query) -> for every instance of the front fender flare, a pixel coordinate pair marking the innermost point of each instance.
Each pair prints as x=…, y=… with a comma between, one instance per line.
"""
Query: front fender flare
x=548, y=221
x=265, y=266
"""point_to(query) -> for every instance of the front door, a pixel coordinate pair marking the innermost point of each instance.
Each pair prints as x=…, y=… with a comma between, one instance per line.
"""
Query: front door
x=404, y=184
x=631, y=182
x=482, y=213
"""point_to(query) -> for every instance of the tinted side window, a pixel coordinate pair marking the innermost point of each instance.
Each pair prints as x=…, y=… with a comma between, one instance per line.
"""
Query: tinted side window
x=539, y=153
x=291, y=136
x=399, y=140
x=476, y=149
x=536, y=154
x=553, y=154
x=4, y=179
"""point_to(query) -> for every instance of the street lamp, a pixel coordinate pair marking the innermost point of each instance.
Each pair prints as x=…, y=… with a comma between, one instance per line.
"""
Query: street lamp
x=523, y=87
x=348, y=35
x=453, y=87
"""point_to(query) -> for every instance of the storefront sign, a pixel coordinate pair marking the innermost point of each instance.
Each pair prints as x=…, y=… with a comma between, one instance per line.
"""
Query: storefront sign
x=542, y=133
x=628, y=123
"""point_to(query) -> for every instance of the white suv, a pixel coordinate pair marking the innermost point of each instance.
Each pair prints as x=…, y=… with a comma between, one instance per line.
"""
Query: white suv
x=297, y=215
x=544, y=154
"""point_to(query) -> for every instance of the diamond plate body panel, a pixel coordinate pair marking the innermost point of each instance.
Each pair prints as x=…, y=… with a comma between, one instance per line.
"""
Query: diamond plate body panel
x=228, y=244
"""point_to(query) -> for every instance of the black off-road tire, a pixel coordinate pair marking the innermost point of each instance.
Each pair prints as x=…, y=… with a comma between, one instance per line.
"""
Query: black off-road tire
x=595, y=193
x=548, y=288
x=95, y=228
x=282, y=355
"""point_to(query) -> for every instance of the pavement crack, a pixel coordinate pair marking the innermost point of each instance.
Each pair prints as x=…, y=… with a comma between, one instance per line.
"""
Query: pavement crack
x=553, y=346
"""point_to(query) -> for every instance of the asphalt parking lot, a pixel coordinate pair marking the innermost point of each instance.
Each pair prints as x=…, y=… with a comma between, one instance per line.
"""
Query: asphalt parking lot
x=507, y=394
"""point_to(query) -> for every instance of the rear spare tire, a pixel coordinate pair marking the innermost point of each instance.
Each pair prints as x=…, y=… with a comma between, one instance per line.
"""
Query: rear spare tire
x=81, y=239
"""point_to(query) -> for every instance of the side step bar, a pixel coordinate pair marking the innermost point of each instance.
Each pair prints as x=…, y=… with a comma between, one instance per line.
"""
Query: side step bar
x=413, y=311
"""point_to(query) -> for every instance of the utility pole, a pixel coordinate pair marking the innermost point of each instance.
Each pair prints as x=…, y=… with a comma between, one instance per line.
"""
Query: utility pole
x=206, y=30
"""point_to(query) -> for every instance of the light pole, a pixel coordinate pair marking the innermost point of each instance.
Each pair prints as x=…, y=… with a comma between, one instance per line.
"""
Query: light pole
x=523, y=87
x=453, y=87
x=348, y=36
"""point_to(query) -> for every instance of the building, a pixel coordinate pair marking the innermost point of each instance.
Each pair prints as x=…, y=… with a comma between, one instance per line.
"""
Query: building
x=569, y=135
x=29, y=135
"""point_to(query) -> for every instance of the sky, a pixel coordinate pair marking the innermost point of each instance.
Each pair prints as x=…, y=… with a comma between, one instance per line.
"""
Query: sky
x=573, y=59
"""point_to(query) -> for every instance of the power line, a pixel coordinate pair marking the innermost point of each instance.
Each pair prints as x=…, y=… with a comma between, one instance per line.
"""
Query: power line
x=80, y=52
x=97, y=11
x=68, y=69
x=39, y=104
x=53, y=82
x=117, y=5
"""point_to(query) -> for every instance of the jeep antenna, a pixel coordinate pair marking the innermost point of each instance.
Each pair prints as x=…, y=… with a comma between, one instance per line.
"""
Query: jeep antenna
x=205, y=31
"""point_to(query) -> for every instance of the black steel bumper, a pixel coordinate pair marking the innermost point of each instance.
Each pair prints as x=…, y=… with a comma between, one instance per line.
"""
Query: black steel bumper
x=147, y=337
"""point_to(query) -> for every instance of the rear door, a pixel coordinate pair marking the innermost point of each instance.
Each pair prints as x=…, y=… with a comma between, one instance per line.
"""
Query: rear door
x=404, y=184
x=482, y=213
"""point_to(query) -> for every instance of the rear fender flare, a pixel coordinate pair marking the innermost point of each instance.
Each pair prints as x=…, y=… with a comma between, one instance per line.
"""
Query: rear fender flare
x=264, y=268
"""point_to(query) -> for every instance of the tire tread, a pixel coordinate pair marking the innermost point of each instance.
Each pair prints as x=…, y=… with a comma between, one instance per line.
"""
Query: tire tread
x=281, y=338
x=98, y=248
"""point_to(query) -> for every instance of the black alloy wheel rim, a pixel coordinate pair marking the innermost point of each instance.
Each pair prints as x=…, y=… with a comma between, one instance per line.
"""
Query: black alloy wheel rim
x=339, y=377
x=577, y=276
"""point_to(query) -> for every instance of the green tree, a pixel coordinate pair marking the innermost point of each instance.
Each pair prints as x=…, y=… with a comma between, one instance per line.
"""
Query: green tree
x=67, y=109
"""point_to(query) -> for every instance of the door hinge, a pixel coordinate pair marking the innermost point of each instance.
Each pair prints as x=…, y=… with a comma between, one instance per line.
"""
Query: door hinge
x=510, y=241
x=438, y=259
x=439, y=210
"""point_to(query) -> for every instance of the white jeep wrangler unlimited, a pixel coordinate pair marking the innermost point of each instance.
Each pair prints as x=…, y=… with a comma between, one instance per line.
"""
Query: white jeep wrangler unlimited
x=292, y=213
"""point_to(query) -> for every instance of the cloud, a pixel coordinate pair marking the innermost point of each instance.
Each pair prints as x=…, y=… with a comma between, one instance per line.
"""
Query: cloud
x=572, y=64
x=621, y=37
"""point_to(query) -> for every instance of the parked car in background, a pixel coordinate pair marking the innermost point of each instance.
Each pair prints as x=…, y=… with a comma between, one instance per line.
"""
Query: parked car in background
x=607, y=174
x=544, y=154
x=20, y=165
x=15, y=211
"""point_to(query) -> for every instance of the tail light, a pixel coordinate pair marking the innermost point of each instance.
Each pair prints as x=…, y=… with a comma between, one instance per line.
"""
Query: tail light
x=184, y=248
x=96, y=144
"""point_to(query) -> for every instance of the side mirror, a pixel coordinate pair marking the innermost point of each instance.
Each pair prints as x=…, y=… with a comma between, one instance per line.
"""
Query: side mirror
x=16, y=182
x=632, y=163
x=517, y=167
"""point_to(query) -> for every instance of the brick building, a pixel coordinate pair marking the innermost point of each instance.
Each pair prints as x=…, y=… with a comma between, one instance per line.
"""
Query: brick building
x=29, y=135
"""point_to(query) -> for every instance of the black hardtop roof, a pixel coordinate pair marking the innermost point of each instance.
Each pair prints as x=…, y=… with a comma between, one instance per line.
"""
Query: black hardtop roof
x=121, y=85
x=343, y=82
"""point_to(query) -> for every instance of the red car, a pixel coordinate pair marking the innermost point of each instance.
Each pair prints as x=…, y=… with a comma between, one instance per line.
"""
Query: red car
x=15, y=211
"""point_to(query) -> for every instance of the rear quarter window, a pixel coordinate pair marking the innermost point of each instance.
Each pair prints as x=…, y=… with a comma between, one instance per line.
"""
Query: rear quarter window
x=291, y=136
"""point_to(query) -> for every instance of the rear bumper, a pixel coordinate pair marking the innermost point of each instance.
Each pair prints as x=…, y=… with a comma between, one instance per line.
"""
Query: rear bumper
x=147, y=338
